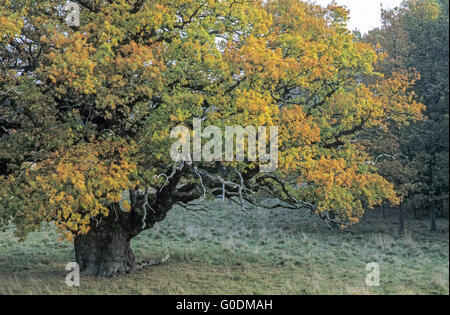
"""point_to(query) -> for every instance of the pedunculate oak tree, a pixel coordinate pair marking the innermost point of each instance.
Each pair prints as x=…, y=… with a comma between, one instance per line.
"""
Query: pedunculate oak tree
x=86, y=113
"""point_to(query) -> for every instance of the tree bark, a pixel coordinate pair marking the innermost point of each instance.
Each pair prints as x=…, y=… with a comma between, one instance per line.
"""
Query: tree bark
x=105, y=250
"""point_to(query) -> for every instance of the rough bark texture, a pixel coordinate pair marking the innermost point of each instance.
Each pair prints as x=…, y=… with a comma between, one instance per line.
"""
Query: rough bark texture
x=105, y=250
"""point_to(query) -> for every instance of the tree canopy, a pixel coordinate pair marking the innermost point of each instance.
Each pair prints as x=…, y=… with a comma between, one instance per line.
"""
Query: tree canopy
x=415, y=36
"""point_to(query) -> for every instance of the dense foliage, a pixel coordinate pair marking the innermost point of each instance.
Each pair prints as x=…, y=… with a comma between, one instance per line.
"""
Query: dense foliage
x=416, y=36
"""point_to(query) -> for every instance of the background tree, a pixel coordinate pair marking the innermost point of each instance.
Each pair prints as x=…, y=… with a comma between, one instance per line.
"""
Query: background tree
x=415, y=35
x=86, y=114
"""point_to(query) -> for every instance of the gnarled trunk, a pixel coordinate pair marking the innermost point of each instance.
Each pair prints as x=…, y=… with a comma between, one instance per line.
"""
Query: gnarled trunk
x=105, y=250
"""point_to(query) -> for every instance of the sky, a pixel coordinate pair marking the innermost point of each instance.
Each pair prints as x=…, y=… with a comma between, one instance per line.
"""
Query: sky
x=365, y=14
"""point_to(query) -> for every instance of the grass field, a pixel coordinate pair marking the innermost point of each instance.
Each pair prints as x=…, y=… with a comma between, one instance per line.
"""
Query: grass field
x=224, y=251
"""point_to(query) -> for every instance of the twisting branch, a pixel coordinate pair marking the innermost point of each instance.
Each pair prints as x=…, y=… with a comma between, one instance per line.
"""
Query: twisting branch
x=391, y=157
x=178, y=166
x=201, y=181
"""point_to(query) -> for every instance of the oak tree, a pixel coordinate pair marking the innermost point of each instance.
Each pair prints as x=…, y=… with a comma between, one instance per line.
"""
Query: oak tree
x=86, y=114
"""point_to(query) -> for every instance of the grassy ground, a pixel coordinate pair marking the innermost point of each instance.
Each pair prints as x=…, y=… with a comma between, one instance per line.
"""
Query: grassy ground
x=224, y=251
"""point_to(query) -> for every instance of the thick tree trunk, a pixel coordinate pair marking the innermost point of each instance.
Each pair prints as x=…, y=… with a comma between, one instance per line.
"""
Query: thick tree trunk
x=105, y=250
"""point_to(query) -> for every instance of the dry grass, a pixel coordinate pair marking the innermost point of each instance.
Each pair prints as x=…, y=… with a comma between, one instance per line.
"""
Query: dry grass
x=227, y=252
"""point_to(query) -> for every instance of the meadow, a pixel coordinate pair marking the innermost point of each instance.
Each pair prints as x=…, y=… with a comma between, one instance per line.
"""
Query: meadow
x=222, y=250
